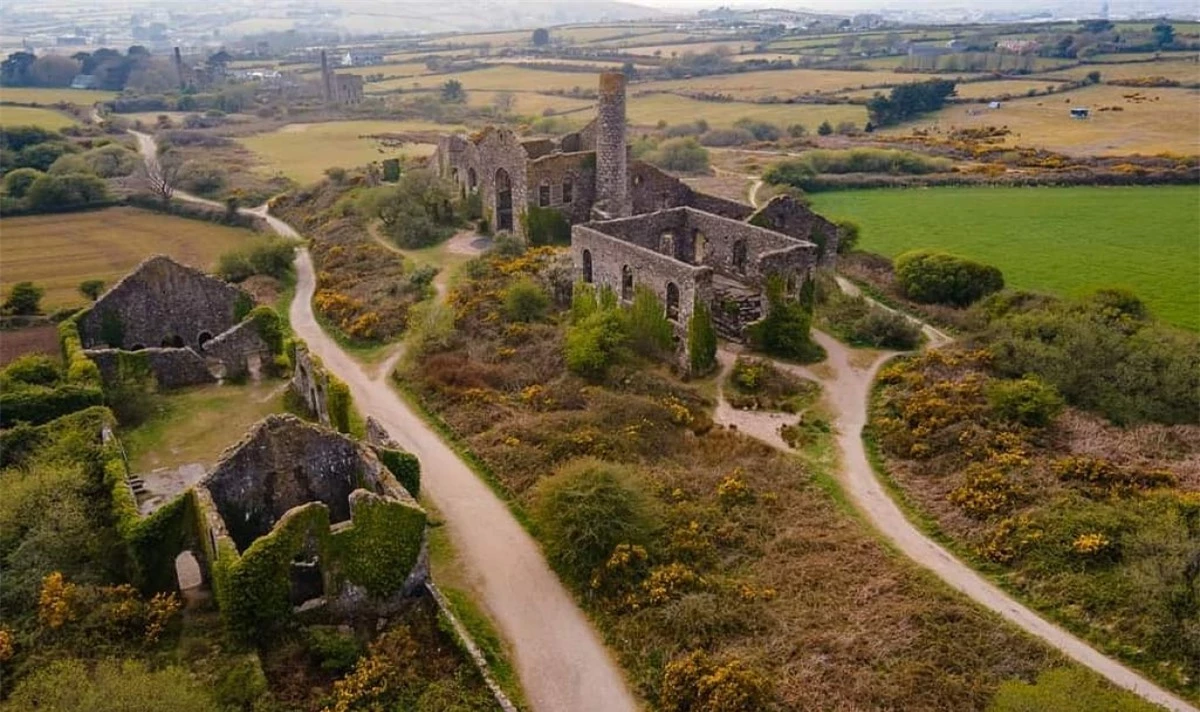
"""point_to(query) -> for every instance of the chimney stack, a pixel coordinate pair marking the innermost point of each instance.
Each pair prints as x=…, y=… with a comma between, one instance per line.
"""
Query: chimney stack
x=326, y=78
x=612, y=169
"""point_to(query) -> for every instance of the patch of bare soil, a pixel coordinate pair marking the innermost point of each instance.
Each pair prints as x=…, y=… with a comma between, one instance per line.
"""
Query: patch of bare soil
x=41, y=339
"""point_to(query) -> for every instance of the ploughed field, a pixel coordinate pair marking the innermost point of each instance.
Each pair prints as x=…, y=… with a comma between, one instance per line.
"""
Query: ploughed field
x=59, y=251
x=1061, y=240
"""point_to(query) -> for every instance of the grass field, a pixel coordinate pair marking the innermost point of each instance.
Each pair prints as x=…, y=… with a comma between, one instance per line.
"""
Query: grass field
x=31, y=95
x=58, y=252
x=1159, y=120
x=673, y=50
x=788, y=82
x=302, y=152
x=1063, y=240
x=1001, y=88
x=1180, y=70
x=649, y=109
x=28, y=116
x=529, y=103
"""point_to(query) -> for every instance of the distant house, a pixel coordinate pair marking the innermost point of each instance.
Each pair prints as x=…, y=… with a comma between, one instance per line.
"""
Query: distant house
x=993, y=105
x=361, y=59
x=1018, y=46
x=84, y=81
x=1079, y=113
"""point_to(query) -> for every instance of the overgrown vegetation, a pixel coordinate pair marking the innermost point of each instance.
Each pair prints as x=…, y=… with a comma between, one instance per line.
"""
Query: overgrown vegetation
x=710, y=564
x=784, y=331
x=907, y=101
x=801, y=172
x=758, y=384
x=1095, y=523
x=940, y=278
x=858, y=322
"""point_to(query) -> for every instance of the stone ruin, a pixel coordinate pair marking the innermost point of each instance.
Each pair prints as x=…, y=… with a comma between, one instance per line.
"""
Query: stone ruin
x=188, y=325
x=348, y=538
x=310, y=382
x=633, y=224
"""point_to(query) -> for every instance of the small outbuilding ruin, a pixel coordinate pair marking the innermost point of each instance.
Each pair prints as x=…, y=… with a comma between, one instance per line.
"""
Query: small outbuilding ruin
x=189, y=327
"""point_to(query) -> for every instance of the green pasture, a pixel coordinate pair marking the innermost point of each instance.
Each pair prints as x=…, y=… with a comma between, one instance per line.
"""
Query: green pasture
x=1062, y=240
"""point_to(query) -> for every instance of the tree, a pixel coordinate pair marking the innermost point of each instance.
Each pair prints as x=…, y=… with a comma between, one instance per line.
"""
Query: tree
x=933, y=277
x=585, y=510
x=848, y=234
x=908, y=101
x=1093, y=77
x=160, y=174
x=1164, y=34
x=14, y=70
x=201, y=178
x=91, y=288
x=53, y=70
x=25, y=298
x=797, y=131
x=761, y=130
x=629, y=69
x=453, y=92
x=505, y=102
x=825, y=128
x=702, y=339
x=53, y=193
x=650, y=332
x=595, y=342
x=541, y=37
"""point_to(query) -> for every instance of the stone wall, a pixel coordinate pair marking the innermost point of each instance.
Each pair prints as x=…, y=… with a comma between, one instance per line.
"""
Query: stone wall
x=496, y=150
x=162, y=303
x=172, y=368
x=784, y=214
x=734, y=308
x=238, y=352
x=651, y=189
x=609, y=256
x=311, y=384
x=557, y=168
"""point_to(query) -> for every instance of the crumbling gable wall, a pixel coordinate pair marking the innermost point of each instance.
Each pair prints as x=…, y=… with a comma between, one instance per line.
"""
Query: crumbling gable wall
x=787, y=215
x=501, y=150
x=651, y=189
x=162, y=303
x=311, y=383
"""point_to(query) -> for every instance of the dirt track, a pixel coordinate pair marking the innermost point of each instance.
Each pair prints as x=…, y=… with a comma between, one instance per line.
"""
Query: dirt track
x=562, y=663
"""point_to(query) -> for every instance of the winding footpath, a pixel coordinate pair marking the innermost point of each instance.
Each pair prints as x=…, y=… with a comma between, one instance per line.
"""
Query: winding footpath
x=562, y=663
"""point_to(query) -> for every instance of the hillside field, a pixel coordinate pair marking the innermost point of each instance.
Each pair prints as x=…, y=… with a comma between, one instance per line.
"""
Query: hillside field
x=1062, y=240
x=37, y=95
x=58, y=252
x=27, y=116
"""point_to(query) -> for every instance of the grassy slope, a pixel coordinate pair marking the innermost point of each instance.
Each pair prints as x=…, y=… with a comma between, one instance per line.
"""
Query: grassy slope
x=27, y=116
x=60, y=251
x=1064, y=240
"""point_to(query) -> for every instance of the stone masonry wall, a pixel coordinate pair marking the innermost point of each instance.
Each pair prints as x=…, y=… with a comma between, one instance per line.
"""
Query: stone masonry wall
x=612, y=174
x=553, y=170
x=158, y=302
x=172, y=368
x=651, y=189
x=311, y=384
x=783, y=214
x=237, y=352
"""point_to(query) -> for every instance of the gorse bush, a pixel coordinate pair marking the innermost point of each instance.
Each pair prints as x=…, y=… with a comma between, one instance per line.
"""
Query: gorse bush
x=650, y=332
x=1027, y=401
x=585, y=510
x=525, y=301
x=939, y=278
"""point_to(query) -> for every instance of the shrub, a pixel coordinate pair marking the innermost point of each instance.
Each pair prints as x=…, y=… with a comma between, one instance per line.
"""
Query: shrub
x=546, y=226
x=702, y=339
x=339, y=405
x=111, y=686
x=69, y=163
x=1028, y=401
x=593, y=344
x=650, y=332
x=585, y=510
x=848, y=236
x=92, y=288
x=54, y=193
x=202, y=178
x=825, y=129
x=680, y=154
x=940, y=278
x=525, y=301
x=271, y=256
x=336, y=652
x=36, y=369
x=24, y=298
x=17, y=182
x=760, y=130
x=111, y=161
x=696, y=683
x=727, y=137
x=784, y=331
x=1065, y=690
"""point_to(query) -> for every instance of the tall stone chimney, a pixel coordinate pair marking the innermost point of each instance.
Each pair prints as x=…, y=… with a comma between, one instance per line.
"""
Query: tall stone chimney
x=179, y=70
x=612, y=170
x=326, y=78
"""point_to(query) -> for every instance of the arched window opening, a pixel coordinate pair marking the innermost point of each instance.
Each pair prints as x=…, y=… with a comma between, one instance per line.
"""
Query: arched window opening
x=672, y=301
x=173, y=342
x=504, y=201
x=472, y=179
x=543, y=195
x=626, y=283
x=568, y=190
x=204, y=338
x=739, y=255
x=587, y=266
